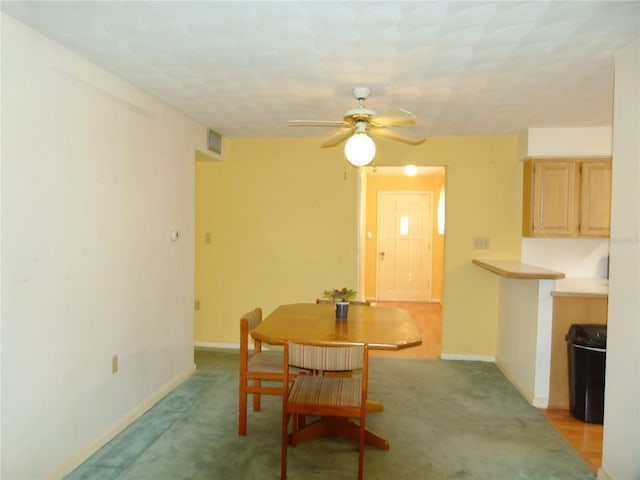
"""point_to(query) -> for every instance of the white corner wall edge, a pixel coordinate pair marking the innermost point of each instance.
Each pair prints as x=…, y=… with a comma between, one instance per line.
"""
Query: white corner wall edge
x=80, y=456
x=538, y=402
x=602, y=475
x=523, y=343
x=621, y=441
x=472, y=358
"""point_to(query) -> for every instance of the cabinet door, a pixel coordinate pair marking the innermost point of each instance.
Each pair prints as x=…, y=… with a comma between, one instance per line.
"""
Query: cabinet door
x=595, y=198
x=556, y=198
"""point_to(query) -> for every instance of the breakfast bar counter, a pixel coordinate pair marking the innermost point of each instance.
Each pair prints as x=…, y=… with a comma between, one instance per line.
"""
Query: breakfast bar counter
x=511, y=269
x=536, y=307
x=524, y=324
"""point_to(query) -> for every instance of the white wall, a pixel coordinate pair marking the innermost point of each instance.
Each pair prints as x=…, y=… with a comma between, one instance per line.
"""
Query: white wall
x=94, y=175
x=580, y=258
x=523, y=345
x=621, y=446
x=566, y=142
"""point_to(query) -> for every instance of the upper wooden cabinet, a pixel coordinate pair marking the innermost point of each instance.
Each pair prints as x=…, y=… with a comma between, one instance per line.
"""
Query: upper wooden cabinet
x=595, y=198
x=566, y=198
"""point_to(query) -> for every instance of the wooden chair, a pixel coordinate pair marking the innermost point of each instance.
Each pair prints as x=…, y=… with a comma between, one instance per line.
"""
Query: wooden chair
x=259, y=367
x=326, y=396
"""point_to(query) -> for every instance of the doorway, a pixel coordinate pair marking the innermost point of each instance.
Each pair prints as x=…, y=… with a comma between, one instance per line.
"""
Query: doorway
x=376, y=182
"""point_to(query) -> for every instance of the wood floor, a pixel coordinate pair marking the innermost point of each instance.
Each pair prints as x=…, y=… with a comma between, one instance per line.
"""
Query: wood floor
x=428, y=320
x=584, y=438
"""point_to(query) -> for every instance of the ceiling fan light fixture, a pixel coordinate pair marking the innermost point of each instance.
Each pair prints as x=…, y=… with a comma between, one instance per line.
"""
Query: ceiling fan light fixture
x=359, y=149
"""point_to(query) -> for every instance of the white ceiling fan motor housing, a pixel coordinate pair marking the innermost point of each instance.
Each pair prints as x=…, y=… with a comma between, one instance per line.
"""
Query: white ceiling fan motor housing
x=361, y=93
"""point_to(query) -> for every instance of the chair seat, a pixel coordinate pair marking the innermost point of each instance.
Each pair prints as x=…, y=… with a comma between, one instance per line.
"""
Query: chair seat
x=269, y=362
x=334, y=391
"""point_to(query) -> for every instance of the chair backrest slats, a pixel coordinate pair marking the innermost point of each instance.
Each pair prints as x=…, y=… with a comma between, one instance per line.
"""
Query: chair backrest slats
x=254, y=317
x=315, y=357
x=248, y=322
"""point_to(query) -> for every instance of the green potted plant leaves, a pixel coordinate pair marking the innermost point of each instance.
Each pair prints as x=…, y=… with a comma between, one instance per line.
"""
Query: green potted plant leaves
x=341, y=297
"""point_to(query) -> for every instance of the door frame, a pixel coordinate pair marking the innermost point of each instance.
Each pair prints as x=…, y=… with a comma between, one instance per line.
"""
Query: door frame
x=438, y=262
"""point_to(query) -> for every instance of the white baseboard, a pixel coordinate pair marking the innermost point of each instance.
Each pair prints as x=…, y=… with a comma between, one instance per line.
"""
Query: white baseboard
x=219, y=346
x=473, y=358
x=538, y=402
x=80, y=456
x=230, y=346
x=602, y=475
x=373, y=301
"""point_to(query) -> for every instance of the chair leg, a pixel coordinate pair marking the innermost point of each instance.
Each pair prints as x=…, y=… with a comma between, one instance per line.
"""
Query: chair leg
x=295, y=423
x=283, y=446
x=242, y=409
x=256, y=397
x=361, y=450
x=302, y=421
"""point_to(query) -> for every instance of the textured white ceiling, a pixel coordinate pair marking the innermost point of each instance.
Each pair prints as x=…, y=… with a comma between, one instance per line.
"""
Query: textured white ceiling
x=463, y=68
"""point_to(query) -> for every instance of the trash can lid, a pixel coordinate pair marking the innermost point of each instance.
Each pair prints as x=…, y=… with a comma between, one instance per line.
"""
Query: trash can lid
x=588, y=335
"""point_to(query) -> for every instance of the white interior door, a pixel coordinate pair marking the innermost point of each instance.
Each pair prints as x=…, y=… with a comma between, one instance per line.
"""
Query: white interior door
x=405, y=221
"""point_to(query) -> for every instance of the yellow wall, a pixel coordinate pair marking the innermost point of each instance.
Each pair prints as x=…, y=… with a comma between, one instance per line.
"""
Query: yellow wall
x=282, y=214
x=375, y=184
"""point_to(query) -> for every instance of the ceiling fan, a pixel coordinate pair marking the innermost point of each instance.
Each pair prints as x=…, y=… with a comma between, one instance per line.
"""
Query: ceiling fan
x=357, y=124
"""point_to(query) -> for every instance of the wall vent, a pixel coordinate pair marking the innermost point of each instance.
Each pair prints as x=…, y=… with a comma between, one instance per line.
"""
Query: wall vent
x=214, y=142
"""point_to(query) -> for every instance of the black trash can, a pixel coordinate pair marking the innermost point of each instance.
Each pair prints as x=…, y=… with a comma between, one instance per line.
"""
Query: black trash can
x=587, y=348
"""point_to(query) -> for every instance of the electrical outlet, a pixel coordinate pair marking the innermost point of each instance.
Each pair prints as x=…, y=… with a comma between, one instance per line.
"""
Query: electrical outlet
x=114, y=364
x=481, y=243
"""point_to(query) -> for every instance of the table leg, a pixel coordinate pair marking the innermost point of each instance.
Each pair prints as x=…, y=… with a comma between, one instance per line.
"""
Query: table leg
x=339, y=427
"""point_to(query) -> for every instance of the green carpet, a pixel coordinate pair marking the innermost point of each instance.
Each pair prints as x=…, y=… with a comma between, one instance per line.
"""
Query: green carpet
x=443, y=419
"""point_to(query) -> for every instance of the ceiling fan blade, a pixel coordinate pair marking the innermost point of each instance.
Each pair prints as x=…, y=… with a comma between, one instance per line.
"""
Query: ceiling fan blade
x=393, y=121
x=339, y=137
x=317, y=123
x=395, y=135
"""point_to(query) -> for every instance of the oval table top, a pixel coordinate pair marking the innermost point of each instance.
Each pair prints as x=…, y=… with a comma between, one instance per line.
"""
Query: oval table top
x=382, y=328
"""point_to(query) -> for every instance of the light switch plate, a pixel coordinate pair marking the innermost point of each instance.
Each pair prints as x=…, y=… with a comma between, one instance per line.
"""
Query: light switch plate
x=480, y=243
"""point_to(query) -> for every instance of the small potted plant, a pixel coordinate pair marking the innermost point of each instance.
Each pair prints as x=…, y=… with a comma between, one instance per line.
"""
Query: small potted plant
x=341, y=297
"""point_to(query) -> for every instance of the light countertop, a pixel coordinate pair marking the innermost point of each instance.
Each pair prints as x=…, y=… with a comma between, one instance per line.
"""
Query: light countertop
x=517, y=270
x=564, y=287
x=581, y=287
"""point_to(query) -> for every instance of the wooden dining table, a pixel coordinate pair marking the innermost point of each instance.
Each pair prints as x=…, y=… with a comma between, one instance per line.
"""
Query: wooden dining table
x=381, y=328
